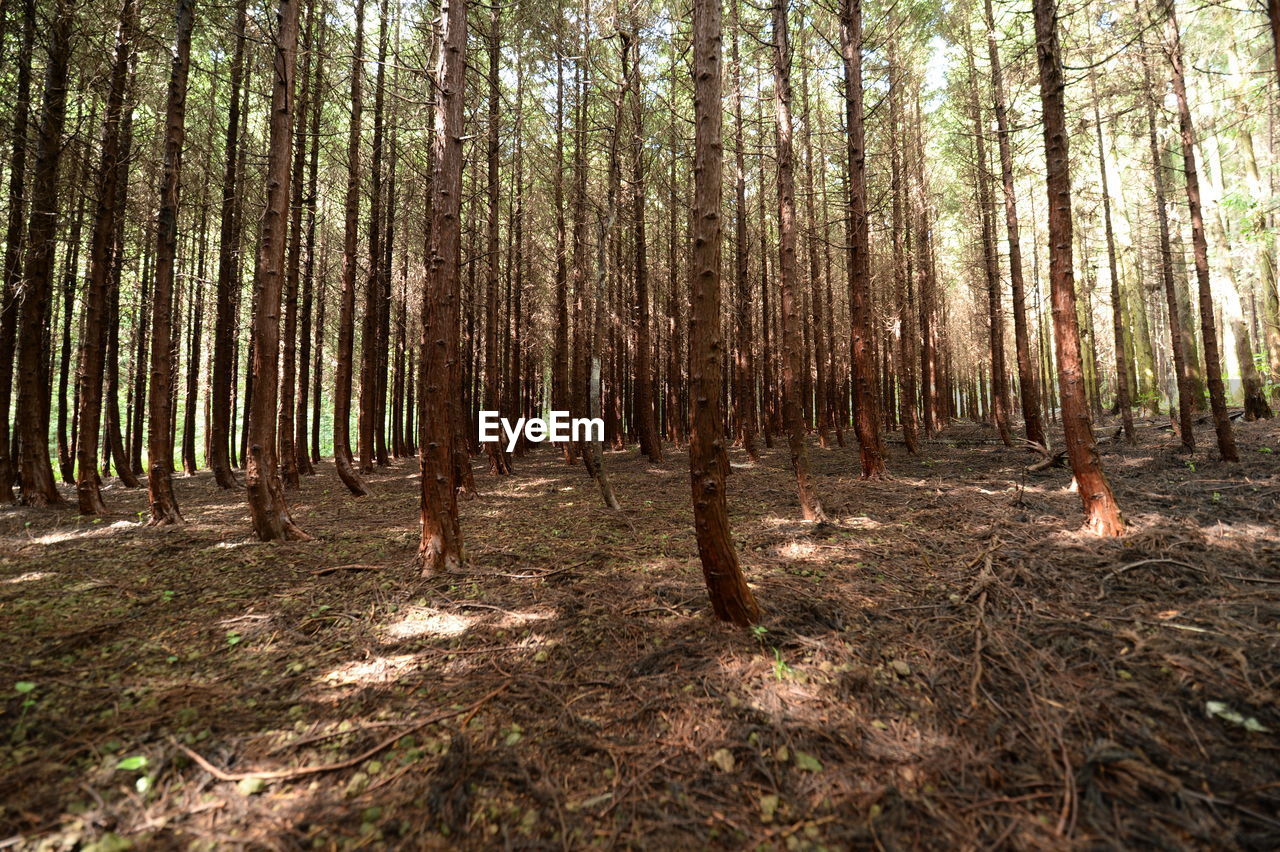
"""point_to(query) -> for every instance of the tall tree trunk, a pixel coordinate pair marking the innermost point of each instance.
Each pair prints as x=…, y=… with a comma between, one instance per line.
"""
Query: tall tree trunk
x=1123, y=392
x=866, y=400
x=268, y=511
x=14, y=234
x=370, y=344
x=731, y=599
x=34, y=468
x=644, y=407
x=224, y=332
x=561, y=394
x=441, y=547
x=164, y=505
x=1199, y=244
x=810, y=505
x=286, y=452
x=499, y=460
x=93, y=336
x=1028, y=387
x=302, y=457
x=342, y=457
x=1102, y=514
x=744, y=369
x=1177, y=335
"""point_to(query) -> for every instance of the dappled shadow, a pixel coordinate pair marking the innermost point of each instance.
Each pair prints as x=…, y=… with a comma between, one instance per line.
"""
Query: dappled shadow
x=947, y=662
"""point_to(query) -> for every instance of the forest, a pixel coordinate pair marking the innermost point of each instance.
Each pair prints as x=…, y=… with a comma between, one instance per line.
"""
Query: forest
x=934, y=350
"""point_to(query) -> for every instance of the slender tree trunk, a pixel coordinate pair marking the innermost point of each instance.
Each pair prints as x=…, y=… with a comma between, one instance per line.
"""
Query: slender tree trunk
x=865, y=398
x=14, y=235
x=1028, y=387
x=224, y=359
x=164, y=505
x=793, y=414
x=1102, y=514
x=441, y=547
x=644, y=406
x=268, y=511
x=302, y=457
x=370, y=344
x=731, y=599
x=744, y=369
x=93, y=336
x=342, y=457
x=1199, y=244
x=499, y=461
x=34, y=467
x=1123, y=392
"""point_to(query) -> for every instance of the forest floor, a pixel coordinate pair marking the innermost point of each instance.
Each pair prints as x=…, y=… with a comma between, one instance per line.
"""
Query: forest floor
x=947, y=664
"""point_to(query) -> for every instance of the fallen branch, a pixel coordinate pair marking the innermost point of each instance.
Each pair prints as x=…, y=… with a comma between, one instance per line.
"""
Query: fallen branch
x=320, y=572
x=288, y=774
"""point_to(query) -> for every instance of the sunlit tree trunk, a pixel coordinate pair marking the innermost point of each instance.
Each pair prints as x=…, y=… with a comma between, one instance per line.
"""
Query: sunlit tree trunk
x=1102, y=514
x=441, y=547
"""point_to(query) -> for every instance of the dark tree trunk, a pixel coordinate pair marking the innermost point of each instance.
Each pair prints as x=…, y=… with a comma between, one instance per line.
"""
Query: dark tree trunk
x=342, y=457
x=302, y=457
x=731, y=599
x=866, y=400
x=370, y=344
x=164, y=505
x=224, y=357
x=644, y=404
x=34, y=469
x=93, y=338
x=14, y=234
x=792, y=362
x=1199, y=244
x=1028, y=387
x=744, y=368
x=499, y=460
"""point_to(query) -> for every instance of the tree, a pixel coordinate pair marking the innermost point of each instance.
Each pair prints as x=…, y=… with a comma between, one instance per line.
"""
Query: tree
x=441, y=547
x=866, y=400
x=1199, y=243
x=1102, y=513
x=267, y=508
x=34, y=467
x=164, y=505
x=94, y=331
x=223, y=404
x=792, y=361
x=731, y=598
x=1028, y=387
x=342, y=457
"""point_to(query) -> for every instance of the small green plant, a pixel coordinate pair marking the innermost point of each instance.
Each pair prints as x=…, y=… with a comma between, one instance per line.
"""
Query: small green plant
x=234, y=638
x=25, y=688
x=1191, y=466
x=781, y=671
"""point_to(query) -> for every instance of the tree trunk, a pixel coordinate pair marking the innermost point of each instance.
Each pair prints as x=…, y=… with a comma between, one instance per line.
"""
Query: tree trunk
x=34, y=468
x=441, y=547
x=744, y=369
x=810, y=505
x=14, y=233
x=267, y=508
x=302, y=457
x=342, y=458
x=731, y=598
x=644, y=406
x=499, y=460
x=1028, y=387
x=369, y=337
x=866, y=401
x=1102, y=514
x=1199, y=244
x=224, y=332
x=93, y=336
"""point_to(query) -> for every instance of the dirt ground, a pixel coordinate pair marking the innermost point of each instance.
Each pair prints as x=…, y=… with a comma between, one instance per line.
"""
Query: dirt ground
x=947, y=664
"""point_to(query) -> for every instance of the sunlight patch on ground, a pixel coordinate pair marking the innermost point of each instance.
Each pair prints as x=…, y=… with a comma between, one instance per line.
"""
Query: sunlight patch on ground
x=424, y=621
x=28, y=577
x=798, y=550
x=95, y=531
x=370, y=672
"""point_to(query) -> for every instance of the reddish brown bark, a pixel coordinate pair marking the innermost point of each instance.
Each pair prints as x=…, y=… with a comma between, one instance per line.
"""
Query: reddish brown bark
x=865, y=398
x=441, y=547
x=1102, y=514
x=731, y=598
x=267, y=508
